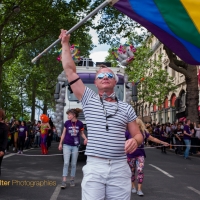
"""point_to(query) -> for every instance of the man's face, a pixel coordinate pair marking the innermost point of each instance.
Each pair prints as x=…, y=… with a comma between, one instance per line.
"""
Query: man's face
x=106, y=82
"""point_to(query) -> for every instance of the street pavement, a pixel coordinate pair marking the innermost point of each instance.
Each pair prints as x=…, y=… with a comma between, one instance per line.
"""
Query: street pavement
x=167, y=177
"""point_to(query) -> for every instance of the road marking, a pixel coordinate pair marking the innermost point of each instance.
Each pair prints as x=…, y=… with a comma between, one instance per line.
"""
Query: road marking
x=194, y=190
x=164, y=172
x=9, y=155
x=56, y=193
x=13, y=154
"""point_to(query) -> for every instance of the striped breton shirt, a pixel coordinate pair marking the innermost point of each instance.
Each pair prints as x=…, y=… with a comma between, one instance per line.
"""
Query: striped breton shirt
x=102, y=143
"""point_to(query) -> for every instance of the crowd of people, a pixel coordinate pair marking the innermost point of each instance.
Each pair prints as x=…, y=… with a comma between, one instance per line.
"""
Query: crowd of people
x=24, y=135
x=183, y=137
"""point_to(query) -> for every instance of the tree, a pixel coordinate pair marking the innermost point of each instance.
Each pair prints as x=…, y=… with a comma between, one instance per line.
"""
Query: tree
x=192, y=92
x=38, y=80
x=37, y=19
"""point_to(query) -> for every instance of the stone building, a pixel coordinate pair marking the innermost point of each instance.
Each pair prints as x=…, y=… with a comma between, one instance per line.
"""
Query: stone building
x=167, y=112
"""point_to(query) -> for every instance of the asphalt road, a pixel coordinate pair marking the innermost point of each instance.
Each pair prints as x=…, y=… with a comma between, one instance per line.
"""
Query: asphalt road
x=34, y=176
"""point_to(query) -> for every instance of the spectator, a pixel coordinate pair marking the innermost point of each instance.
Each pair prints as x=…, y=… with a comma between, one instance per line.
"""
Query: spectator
x=55, y=135
x=29, y=127
x=187, y=138
x=164, y=137
x=70, y=141
x=50, y=134
x=136, y=159
x=3, y=136
x=178, y=137
x=13, y=129
x=193, y=139
x=37, y=134
x=16, y=135
x=9, y=138
x=197, y=135
x=23, y=136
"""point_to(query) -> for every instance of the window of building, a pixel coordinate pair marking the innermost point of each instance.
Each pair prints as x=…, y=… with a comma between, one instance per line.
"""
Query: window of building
x=166, y=105
x=154, y=107
x=173, y=99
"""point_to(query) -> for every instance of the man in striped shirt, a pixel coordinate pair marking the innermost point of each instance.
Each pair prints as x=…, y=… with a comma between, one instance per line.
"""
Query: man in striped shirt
x=106, y=174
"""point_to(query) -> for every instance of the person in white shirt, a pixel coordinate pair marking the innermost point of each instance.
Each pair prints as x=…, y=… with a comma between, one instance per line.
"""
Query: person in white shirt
x=107, y=119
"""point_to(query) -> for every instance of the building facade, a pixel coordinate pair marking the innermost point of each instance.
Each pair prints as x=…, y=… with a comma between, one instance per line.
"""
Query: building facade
x=167, y=112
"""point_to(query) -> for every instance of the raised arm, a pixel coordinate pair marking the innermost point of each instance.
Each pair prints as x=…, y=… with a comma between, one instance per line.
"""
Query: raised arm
x=69, y=66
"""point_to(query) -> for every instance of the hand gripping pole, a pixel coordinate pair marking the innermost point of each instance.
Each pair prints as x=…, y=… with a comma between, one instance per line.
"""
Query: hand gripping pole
x=105, y=3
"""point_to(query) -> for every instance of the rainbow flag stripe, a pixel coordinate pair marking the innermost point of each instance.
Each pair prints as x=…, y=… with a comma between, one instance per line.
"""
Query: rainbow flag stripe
x=176, y=23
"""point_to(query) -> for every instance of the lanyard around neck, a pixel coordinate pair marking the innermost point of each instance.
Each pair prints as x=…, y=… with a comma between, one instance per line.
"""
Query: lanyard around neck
x=105, y=112
x=74, y=127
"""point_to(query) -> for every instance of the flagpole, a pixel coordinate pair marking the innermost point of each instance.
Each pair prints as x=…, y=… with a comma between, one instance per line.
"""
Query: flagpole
x=105, y=3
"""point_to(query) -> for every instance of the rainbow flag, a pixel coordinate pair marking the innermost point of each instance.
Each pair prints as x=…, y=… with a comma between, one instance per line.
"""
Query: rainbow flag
x=176, y=23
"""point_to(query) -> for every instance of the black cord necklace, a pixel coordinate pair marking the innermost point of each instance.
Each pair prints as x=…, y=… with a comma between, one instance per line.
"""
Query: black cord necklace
x=105, y=112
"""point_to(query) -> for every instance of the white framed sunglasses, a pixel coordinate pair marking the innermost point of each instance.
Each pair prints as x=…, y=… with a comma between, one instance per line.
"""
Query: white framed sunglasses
x=108, y=74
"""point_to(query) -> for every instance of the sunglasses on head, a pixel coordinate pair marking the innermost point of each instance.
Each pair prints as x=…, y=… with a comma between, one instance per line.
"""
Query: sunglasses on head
x=108, y=74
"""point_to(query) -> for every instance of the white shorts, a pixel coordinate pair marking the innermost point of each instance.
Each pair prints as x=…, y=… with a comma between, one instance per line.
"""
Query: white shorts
x=106, y=179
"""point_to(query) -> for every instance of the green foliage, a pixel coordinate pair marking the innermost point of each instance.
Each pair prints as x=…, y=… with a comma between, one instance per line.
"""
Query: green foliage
x=157, y=83
x=111, y=58
x=22, y=37
x=113, y=25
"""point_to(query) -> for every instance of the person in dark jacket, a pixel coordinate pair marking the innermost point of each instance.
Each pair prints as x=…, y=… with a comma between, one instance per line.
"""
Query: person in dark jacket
x=3, y=136
x=50, y=134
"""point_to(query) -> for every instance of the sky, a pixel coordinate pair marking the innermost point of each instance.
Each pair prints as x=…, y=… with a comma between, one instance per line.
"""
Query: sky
x=99, y=53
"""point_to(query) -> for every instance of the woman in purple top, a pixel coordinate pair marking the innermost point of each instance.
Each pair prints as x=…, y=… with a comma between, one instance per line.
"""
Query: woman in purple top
x=69, y=142
x=163, y=137
x=22, y=136
x=136, y=159
x=187, y=138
